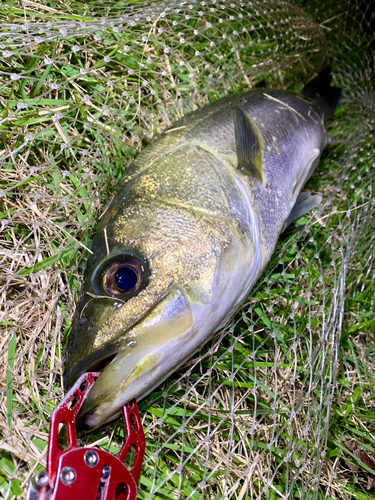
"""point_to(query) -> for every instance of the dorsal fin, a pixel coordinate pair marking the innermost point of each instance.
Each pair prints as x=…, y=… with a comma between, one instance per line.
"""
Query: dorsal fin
x=249, y=145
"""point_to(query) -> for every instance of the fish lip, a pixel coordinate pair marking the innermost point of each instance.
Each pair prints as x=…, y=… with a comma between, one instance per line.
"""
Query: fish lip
x=83, y=421
x=88, y=421
x=97, y=361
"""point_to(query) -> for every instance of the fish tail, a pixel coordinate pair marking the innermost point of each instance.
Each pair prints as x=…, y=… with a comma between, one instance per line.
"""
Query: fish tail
x=320, y=88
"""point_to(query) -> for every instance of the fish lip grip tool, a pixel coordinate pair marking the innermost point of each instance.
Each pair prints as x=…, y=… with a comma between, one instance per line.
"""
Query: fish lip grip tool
x=75, y=473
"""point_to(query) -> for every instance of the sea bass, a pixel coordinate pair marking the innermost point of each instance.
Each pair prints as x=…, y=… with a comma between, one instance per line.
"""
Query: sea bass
x=193, y=224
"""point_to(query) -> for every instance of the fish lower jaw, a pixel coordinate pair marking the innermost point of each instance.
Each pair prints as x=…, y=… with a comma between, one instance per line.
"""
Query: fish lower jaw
x=102, y=406
x=134, y=386
x=133, y=375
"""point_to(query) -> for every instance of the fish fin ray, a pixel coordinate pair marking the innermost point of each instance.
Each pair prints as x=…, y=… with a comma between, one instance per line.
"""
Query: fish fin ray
x=249, y=145
x=304, y=204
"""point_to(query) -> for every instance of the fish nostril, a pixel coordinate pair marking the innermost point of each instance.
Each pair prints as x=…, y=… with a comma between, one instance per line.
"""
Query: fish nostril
x=82, y=321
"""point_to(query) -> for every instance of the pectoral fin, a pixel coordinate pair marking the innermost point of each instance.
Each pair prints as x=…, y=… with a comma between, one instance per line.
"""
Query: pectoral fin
x=307, y=172
x=249, y=145
x=304, y=203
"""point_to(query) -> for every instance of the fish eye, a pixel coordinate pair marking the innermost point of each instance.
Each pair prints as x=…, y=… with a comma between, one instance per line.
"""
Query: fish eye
x=126, y=279
x=123, y=279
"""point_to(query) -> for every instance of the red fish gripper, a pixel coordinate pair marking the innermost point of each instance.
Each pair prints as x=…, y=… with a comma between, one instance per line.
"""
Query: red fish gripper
x=74, y=473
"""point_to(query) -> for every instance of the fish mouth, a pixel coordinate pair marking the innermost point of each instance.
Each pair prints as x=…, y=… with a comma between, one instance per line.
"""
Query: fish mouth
x=158, y=343
x=104, y=401
x=96, y=362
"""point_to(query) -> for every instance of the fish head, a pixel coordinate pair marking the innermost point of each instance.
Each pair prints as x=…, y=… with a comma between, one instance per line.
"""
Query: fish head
x=149, y=293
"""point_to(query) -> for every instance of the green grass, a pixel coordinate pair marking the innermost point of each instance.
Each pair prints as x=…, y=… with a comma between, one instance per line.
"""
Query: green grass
x=263, y=393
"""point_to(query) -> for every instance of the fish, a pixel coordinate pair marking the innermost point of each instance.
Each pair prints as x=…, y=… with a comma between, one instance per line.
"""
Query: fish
x=192, y=226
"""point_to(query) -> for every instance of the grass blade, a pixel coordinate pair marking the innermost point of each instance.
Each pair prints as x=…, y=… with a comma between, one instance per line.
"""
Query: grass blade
x=9, y=377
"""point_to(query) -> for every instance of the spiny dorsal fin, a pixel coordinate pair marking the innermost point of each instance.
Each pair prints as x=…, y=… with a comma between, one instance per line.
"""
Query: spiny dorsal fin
x=249, y=145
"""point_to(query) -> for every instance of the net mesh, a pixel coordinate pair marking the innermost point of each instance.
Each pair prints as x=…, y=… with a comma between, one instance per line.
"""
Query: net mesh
x=281, y=403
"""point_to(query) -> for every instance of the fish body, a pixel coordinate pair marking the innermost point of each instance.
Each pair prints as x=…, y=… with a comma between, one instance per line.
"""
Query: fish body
x=193, y=224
